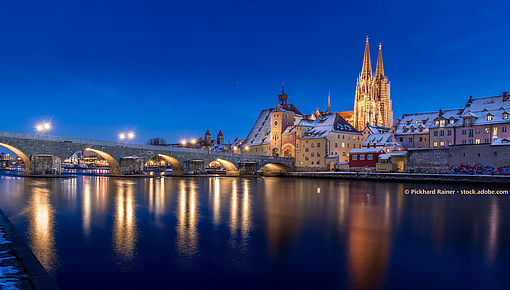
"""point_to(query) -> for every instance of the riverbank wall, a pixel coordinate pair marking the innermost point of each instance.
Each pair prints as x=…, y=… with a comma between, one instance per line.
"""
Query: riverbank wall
x=21, y=268
x=409, y=177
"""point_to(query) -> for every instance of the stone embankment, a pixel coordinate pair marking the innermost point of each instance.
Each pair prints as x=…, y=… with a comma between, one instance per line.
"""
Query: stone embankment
x=409, y=177
x=19, y=268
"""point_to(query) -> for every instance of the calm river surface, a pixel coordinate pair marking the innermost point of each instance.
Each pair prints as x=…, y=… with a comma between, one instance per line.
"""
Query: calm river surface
x=259, y=233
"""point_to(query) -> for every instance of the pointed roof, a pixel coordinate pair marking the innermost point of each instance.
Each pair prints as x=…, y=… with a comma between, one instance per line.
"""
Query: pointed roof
x=366, y=70
x=329, y=102
x=220, y=133
x=207, y=133
x=379, y=69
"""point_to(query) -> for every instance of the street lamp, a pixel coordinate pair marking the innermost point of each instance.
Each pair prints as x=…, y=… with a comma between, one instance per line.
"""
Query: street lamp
x=183, y=142
x=122, y=136
x=43, y=127
x=131, y=135
x=193, y=141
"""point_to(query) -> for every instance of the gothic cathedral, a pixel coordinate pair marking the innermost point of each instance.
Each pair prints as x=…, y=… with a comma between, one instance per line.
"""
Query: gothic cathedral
x=372, y=104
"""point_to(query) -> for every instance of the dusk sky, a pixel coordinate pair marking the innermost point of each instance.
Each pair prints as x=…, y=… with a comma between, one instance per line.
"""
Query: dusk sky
x=172, y=69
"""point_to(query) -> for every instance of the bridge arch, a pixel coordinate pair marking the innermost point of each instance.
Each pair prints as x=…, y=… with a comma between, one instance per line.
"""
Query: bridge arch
x=273, y=169
x=288, y=150
x=231, y=168
x=114, y=165
x=177, y=168
x=23, y=156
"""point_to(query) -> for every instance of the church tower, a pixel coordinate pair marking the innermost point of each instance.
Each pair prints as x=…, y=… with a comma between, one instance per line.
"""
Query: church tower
x=372, y=103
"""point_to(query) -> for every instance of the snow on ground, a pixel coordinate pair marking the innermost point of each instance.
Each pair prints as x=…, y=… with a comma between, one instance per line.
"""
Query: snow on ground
x=10, y=272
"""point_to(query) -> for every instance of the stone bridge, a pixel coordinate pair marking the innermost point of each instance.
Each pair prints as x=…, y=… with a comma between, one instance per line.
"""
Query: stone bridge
x=34, y=148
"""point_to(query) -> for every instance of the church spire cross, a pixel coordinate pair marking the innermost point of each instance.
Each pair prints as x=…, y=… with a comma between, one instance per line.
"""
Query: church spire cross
x=379, y=69
x=366, y=70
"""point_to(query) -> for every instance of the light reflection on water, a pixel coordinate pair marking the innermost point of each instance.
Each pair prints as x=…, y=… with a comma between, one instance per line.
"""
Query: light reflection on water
x=357, y=235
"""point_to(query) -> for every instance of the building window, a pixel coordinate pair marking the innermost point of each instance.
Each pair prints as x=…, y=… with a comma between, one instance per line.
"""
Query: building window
x=441, y=144
x=410, y=139
x=343, y=153
x=370, y=157
x=477, y=130
x=449, y=132
x=477, y=141
x=486, y=140
x=489, y=117
x=355, y=157
x=362, y=157
x=313, y=154
x=470, y=132
x=464, y=132
x=442, y=123
x=401, y=139
x=435, y=143
x=452, y=121
x=318, y=154
x=449, y=143
x=306, y=158
x=495, y=131
x=421, y=139
x=463, y=141
x=318, y=145
x=503, y=129
x=435, y=133
x=343, y=145
x=441, y=133
x=487, y=130
x=306, y=149
x=471, y=141
x=505, y=115
x=336, y=145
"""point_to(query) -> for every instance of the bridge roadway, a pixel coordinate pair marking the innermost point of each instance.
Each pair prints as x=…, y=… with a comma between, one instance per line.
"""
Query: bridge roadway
x=182, y=160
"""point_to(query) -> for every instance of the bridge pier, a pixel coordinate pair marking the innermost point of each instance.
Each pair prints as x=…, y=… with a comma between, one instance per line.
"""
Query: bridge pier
x=194, y=167
x=45, y=164
x=248, y=168
x=131, y=165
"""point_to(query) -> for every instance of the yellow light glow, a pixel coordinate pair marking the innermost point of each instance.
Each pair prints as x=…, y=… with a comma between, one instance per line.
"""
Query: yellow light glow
x=39, y=128
x=235, y=148
x=131, y=135
x=47, y=126
x=193, y=141
x=122, y=136
x=246, y=148
x=183, y=142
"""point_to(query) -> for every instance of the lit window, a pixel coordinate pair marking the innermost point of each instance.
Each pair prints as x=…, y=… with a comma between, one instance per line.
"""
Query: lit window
x=489, y=117
x=487, y=130
x=442, y=143
x=354, y=157
x=435, y=143
x=343, y=145
x=477, y=141
x=505, y=115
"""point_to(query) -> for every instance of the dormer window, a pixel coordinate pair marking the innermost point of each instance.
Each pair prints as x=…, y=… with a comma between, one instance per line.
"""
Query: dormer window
x=442, y=122
x=505, y=115
x=412, y=128
x=452, y=121
x=408, y=123
x=404, y=129
x=468, y=121
x=489, y=117
x=420, y=128
x=437, y=122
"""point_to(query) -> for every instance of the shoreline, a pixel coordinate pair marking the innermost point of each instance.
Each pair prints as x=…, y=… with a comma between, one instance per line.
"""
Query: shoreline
x=30, y=271
x=408, y=177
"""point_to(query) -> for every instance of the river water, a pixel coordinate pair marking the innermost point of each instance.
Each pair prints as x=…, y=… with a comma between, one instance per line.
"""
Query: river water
x=256, y=233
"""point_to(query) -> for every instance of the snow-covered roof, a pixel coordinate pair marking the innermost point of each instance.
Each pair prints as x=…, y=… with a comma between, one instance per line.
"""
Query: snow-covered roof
x=489, y=103
x=380, y=139
x=259, y=133
x=449, y=115
x=366, y=150
x=501, y=141
x=496, y=106
x=388, y=155
x=416, y=123
x=290, y=130
x=377, y=129
x=324, y=125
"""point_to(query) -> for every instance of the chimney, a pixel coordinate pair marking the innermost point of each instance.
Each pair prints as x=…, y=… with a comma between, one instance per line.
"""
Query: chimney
x=505, y=96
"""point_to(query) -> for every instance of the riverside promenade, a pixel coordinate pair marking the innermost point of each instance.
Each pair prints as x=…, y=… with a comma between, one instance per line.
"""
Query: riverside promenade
x=409, y=177
x=19, y=268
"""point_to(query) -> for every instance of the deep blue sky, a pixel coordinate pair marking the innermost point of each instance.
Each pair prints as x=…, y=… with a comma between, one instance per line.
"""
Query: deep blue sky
x=174, y=69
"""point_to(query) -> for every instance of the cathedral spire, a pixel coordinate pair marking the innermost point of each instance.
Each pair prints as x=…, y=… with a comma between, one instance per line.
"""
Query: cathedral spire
x=379, y=70
x=366, y=70
x=329, y=102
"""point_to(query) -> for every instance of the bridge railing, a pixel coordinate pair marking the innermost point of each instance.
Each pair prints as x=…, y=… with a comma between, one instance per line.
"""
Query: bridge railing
x=132, y=145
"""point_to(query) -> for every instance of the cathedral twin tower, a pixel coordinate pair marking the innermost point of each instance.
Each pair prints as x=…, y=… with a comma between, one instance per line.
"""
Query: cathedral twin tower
x=372, y=104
